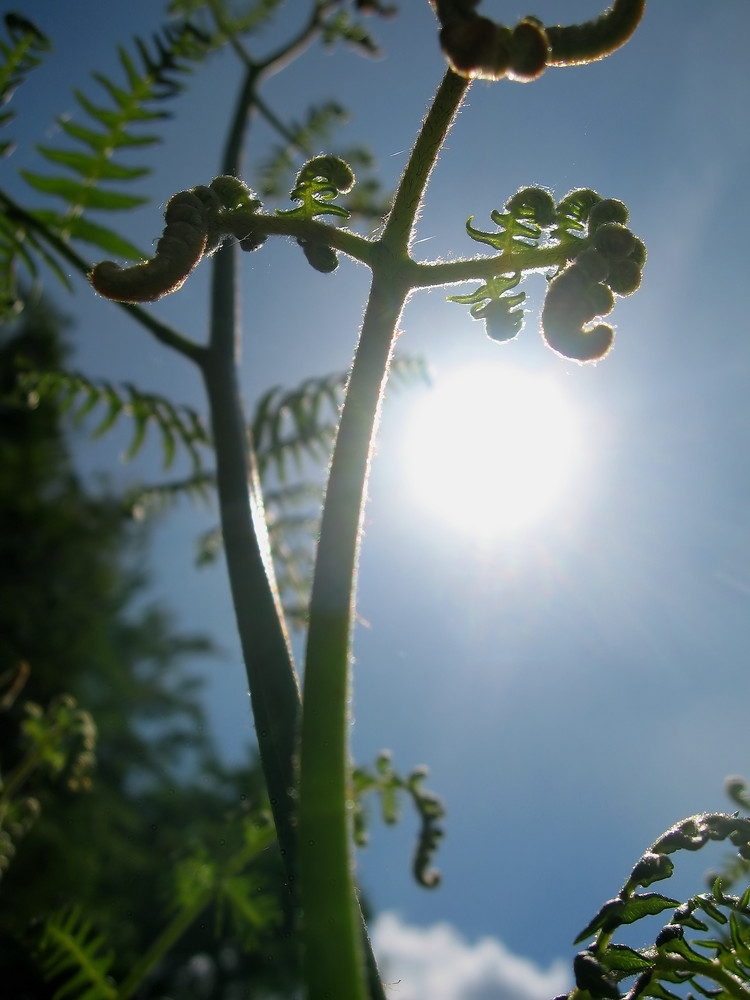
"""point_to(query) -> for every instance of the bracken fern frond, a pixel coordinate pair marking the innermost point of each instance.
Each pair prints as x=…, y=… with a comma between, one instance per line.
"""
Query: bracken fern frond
x=177, y=425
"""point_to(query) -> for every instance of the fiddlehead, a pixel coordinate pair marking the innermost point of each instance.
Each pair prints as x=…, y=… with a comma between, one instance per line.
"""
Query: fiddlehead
x=521, y=225
x=320, y=181
x=195, y=226
x=383, y=780
x=478, y=47
x=594, y=256
x=602, y=966
x=178, y=251
x=610, y=264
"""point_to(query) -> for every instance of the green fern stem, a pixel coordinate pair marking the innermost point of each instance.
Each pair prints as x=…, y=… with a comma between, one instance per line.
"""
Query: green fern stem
x=331, y=929
x=272, y=680
x=442, y=114
x=333, y=960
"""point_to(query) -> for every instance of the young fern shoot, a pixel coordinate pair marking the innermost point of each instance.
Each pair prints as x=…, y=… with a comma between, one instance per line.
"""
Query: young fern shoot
x=581, y=242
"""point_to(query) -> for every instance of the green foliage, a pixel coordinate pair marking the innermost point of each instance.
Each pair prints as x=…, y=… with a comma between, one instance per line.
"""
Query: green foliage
x=383, y=781
x=152, y=76
x=343, y=26
x=601, y=967
x=21, y=51
x=55, y=743
x=178, y=426
x=157, y=796
x=71, y=947
x=318, y=182
x=225, y=21
x=317, y=126
x=598, y=257
x=584, y=246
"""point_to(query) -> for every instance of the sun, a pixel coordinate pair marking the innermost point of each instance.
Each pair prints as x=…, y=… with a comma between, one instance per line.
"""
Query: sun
x=491, y=449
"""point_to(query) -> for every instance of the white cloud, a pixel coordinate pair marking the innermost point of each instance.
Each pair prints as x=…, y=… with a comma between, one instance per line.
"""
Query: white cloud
x=436, y=963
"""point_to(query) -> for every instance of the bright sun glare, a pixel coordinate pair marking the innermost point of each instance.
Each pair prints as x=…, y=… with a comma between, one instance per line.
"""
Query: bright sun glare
x=491, y=448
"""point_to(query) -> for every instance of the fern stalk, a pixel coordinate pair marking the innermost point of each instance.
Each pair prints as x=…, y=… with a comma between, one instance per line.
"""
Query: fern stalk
x=272, y=678
x=333, y=956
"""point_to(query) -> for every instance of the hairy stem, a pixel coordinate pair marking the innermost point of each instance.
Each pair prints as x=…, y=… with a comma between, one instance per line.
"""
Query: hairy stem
x=272, y=680
x=450, y=94
x=333, y=954
x=331, y=925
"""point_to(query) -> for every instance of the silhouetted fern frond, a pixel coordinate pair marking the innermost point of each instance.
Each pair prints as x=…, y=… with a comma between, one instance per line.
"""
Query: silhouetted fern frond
x=159, y=497
x=70, y=946
x=222, y=20
x=384, y=781
x=290, y=425
x=343, y=26
x=177, y=425
x=20, y=51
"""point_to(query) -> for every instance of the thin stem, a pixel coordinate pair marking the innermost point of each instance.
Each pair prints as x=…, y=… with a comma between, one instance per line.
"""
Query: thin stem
x=333, y=962
x=333, y=952
x=450, y=94
x=243, y=222
x=272, y=679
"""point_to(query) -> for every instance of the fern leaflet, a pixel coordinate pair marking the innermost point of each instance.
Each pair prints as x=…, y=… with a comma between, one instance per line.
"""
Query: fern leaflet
x=177, y=425
x=69, y=945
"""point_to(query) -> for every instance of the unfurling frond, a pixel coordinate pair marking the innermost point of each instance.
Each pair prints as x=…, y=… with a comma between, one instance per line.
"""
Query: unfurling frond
x=611, y=264
x=194, y=227
x=389, y=786
x=603, y=965
x=318, y=183
x=477, y=47
x=598, y=259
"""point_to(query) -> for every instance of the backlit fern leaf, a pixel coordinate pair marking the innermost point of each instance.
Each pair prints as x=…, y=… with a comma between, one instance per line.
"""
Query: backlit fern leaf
x=20, y=52
x=70, y=946
x=94, y=174
x=177, y=425
x=290, y=425
x=198, y=487
x=233, y=19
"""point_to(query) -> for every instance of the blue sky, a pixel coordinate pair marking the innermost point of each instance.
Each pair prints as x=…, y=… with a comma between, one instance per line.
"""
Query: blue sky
x=575, y=686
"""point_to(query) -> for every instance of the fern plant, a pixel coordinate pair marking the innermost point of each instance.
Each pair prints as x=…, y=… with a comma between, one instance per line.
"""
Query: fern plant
x=581, y=242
